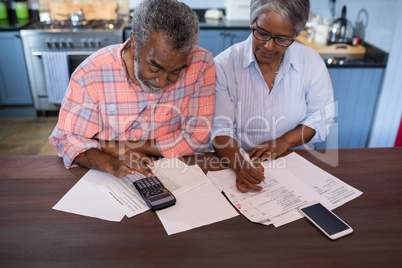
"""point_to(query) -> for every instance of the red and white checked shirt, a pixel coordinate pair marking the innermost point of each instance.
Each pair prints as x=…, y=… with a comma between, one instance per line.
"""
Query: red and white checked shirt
x=103, y=103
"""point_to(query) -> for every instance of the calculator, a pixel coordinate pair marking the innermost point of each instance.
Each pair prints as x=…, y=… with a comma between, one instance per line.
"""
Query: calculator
x=154, y=193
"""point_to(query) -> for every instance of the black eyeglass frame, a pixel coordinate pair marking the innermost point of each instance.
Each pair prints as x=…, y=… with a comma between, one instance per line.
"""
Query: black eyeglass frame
x=270, y=36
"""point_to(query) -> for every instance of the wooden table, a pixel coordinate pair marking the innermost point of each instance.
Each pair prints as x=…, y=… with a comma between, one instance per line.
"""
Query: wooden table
x=34, y=235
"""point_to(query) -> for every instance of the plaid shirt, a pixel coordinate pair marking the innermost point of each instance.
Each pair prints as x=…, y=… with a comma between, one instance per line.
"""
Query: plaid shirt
x=103, y=103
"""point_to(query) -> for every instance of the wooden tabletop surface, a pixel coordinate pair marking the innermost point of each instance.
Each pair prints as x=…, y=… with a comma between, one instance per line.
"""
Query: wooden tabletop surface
x=34, y=235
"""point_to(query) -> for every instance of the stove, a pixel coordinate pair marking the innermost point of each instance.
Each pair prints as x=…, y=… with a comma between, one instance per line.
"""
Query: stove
x=77, y=41
x=66, y=25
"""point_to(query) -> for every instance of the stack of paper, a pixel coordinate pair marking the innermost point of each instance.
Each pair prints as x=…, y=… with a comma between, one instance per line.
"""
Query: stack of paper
x=291, y=182
x=104, y=196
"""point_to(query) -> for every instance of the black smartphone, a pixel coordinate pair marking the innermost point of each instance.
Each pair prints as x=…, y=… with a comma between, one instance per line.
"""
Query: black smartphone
x=154, y=193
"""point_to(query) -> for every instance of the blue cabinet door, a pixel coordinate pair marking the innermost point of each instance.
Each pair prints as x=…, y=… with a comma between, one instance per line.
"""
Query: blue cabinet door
x=212, y=40
x=355, y=92
x=235, y=36
x=217, y=41
x=14, y=83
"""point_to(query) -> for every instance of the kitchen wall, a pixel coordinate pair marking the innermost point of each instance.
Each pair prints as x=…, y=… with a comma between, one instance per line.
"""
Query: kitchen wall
x=381, y=19
x=42, y=4
x=196, y=4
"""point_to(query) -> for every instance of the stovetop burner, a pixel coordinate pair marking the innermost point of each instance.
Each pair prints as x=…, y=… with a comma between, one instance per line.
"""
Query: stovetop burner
x=67, y=25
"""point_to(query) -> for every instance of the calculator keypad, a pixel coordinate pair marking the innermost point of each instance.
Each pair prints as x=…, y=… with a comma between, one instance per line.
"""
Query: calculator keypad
x=150, y=186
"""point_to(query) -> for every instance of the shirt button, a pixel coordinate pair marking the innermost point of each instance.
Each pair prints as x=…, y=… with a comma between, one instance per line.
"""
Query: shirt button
x=146, y=117
x=151, y=94
x=112, y=107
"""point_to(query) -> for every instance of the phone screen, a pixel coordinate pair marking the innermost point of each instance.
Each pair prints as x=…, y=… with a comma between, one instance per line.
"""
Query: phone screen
x=325, y=219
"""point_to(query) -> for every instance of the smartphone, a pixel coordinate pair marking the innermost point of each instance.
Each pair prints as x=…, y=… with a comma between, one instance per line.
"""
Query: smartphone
x=325, y=220
x=154, y=193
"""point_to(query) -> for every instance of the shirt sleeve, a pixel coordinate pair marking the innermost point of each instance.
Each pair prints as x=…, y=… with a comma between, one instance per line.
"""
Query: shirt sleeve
x=77, y=125
x=320, y=102
x=197, y=115
x=224, y=120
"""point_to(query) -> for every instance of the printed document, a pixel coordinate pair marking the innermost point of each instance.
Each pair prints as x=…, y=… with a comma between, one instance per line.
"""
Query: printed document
x=200, y=206
x=173, y=173
x=291, y=182
x=198, y=202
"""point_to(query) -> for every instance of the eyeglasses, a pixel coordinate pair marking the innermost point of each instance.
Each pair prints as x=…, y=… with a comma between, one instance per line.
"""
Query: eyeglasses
x=264, y=36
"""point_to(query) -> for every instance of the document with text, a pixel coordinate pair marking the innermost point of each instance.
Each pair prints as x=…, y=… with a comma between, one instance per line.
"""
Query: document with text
x=173, y=173
x=291, y=182
x=198, y=202
x=101, y=195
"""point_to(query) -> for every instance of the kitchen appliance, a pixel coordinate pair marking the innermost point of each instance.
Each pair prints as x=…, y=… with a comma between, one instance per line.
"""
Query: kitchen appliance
x=341, y=30
x=77, y=18
x=78, y=41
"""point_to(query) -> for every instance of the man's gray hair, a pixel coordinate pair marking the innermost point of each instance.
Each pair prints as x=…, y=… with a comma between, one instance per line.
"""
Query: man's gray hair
x=174, y=19
x=294, y=12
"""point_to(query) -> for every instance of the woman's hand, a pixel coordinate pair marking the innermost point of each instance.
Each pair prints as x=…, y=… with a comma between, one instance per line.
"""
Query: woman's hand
x=270, y=149
x=248, y=177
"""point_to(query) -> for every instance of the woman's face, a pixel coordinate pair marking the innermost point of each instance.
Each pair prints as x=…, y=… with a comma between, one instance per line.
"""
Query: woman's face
x=267, y=52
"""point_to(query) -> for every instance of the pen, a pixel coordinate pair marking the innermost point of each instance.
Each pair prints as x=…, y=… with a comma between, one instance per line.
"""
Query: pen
x=247, y=158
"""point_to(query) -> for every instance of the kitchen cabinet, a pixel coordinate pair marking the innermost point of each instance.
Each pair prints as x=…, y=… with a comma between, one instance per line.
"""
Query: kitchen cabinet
x=14, y=83
x=355, y=92
x=217, y=40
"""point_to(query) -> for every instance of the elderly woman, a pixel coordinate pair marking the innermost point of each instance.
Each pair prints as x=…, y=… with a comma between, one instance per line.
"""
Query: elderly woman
x=272, y=93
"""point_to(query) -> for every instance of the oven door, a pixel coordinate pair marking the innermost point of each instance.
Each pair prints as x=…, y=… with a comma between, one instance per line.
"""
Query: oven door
x=39, y=86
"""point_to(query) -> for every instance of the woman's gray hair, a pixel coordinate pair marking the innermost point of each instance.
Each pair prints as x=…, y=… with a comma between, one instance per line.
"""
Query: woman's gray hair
x=174, y=19
x=294, y=12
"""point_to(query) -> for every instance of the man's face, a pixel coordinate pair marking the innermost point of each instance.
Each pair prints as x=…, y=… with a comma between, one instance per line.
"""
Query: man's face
x=157, y=65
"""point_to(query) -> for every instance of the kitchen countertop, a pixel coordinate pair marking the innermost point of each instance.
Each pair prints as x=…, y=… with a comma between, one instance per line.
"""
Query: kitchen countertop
x=371, y=58
x=8, y=25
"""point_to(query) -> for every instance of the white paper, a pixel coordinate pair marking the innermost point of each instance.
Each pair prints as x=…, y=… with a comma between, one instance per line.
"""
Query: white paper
x=201, y=206
x=177, y=176
x=198, y=202
x=173, y=173
x=84, y=198
x=335, y=191
x=287, y=188
x=123, y=194
x=276, y=204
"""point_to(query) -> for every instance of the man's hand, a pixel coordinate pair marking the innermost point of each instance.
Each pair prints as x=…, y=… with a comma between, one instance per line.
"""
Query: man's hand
x=129, y=163
x=119, y=166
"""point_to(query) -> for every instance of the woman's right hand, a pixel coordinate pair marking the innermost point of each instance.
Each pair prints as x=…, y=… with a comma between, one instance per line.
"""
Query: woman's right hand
x=247, y=177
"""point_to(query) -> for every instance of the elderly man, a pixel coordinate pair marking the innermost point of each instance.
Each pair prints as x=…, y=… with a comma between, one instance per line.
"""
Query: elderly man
x=151, y=96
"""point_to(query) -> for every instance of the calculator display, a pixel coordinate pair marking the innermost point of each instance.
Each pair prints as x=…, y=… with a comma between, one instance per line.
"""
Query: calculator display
x=158, y=197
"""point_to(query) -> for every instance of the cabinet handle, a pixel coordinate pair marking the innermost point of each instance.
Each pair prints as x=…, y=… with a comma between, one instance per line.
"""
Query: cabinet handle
x=17, y=36
x=224, y=34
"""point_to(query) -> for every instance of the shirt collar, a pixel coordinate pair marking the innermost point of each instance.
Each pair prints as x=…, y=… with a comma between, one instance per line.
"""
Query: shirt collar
x=290, y=58
x=130, y=82
x=120, y=52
